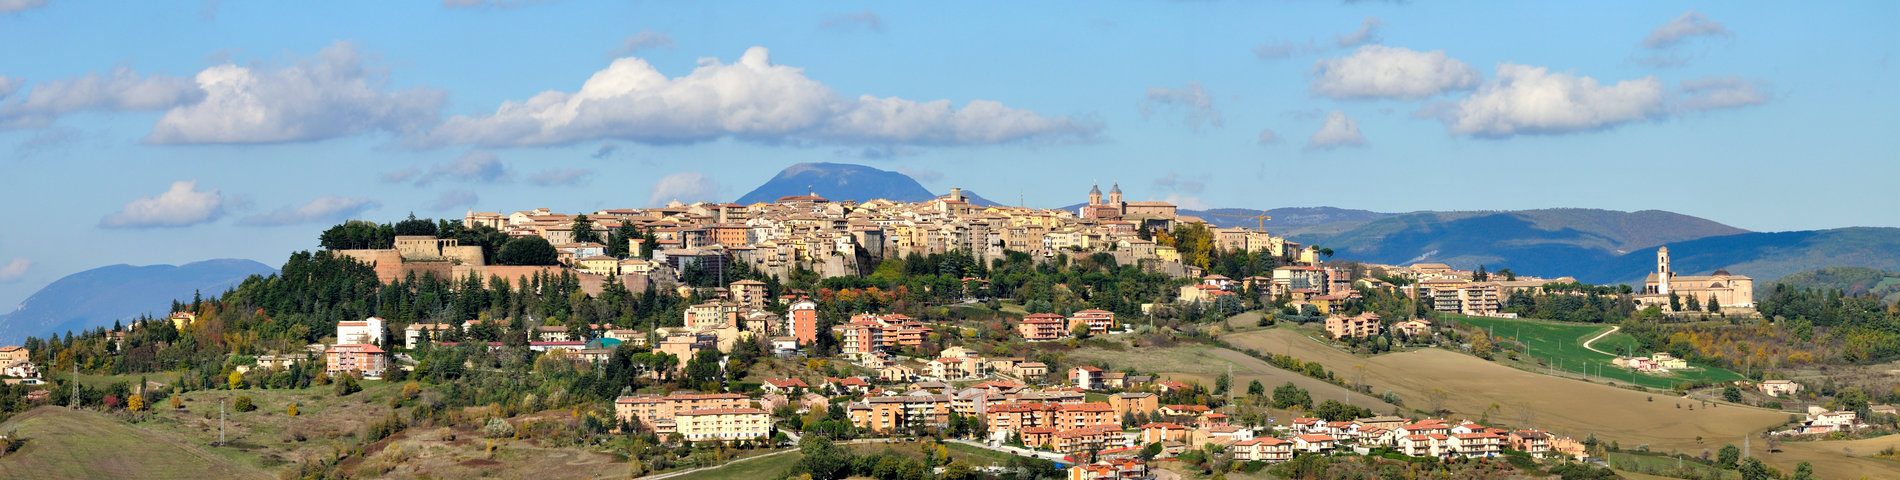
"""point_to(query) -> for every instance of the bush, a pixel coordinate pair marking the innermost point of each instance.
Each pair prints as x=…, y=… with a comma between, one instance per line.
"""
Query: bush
x=346, y=384
x=243, y=404
x=498, y=428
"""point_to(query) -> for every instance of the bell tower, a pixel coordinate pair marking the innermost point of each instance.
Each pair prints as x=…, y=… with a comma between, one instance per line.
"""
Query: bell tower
x=1662, y=271
x=1095, y=195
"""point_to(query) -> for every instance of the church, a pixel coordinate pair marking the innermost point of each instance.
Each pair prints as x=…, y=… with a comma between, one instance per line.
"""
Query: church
x=1157, y=215
x=1726, y=289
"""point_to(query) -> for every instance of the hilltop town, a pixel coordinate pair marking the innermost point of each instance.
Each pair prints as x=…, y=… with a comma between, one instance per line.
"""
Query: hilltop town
x=776, y=325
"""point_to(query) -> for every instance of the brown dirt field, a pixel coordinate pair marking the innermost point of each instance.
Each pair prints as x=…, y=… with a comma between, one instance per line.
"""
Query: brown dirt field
x=1835, y=458
x=1470, y=386
x=1202, y=364
x=425, y=453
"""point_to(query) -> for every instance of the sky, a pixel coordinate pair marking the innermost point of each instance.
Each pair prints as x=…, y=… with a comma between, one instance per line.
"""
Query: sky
x=171, y=132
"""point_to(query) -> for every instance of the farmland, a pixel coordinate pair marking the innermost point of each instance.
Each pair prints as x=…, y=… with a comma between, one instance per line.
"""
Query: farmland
x=1559, y=345
x=1474, y=388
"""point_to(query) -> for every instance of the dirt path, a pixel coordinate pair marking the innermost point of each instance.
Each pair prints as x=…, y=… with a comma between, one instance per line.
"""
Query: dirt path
x=1606, y=333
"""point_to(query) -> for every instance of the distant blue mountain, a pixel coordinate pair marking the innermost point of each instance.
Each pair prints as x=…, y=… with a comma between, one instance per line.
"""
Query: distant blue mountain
x=839, y=181
x=97, y=297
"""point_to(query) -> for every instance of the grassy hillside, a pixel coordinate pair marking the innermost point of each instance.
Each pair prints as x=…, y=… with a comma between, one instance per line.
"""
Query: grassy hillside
x=1560, y=345
x=63, y=443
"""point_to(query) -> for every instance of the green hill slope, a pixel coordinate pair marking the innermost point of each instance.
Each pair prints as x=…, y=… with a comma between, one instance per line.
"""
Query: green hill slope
x=63, y=443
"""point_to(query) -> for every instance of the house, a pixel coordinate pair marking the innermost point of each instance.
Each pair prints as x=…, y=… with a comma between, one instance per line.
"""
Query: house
x=1164, y=432
x=1475, y=444
x=361, y=359
x=846, y=385
x=748, y=293
x=1099, y=322
x=1086, y=377
x=366, y=331
x=1118, y=469
x=1038, y=327
x=722, y=425
x=1358, y=326
x=14, y=353
x=801, y=321
x=896, y=372
x=1777, y=388
x=1261, y=449
x=650, y=410
x=784, y=386
x=1534, y=442
x=1134, y=402
x=1413, y=328
x=1184, y=411
x=1031, y=371
x=415, y=333
x=1314, y=443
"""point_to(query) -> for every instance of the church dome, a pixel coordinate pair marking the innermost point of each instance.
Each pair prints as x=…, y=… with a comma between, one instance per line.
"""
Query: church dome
x=1721, y=271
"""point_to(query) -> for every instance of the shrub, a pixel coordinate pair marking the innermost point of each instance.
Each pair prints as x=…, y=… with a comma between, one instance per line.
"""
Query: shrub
x=243, y=404
x=346, y=384
x=498, y=428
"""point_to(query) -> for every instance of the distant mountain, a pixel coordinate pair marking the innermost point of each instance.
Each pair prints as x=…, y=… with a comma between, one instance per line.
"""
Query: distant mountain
x=839, y=181
x=1765, y=256
x=97, y=297
x=1552, y=242
x=1291, y=221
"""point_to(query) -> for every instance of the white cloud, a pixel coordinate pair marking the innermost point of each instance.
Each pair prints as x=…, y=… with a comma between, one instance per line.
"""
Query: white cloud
x=1338, y=131
x=1189, y=202
x=685, y=187
x=1280, y=50
x=12, y=6
x=867, y=20
x=331, y=95
x=1532, y=100
x=327, y=209
x=122, y=90
x=1368, y=32
x=454, y=199
x=645, y=40
x=1268, y=137
x=1377, y=71
x=751, y=99
x=560, y=177
x=14, y=269
x=475, y=166
x=1719, y=93
x=1689, y=25
x=1192, y=98
x=8, y=85
x=1174, y=182
x=180, y=206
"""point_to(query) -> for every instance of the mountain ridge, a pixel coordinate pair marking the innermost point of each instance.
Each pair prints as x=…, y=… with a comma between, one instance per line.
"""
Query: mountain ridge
x=99, y=296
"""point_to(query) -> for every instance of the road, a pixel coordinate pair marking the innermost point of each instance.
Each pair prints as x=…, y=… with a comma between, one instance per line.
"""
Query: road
x=1586, y=343
x=1021, y=452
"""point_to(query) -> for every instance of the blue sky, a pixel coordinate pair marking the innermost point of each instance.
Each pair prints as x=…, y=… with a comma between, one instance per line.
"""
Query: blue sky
x=155, y=132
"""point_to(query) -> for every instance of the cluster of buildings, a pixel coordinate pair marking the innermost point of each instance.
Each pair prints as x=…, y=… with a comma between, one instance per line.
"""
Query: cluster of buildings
x=1042, y=327
x=16, y=366
x=833, y=238
x=1659, y=362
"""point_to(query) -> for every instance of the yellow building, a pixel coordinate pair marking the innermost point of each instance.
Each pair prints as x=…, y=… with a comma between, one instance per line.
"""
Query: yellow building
x=723, y=425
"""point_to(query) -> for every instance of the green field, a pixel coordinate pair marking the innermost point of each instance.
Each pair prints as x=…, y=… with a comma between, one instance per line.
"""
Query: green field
x=64, y=443
x=768, y=467
x=1560, y=346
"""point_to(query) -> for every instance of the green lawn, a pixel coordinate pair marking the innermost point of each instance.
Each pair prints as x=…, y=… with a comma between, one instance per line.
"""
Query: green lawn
x=1665, y=465
x=63, y=443
x=769, y=467
x=1560, y=345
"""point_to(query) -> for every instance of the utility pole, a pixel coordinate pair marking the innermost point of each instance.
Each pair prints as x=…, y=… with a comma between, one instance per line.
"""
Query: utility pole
x=221, y=422
x=75, y=381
